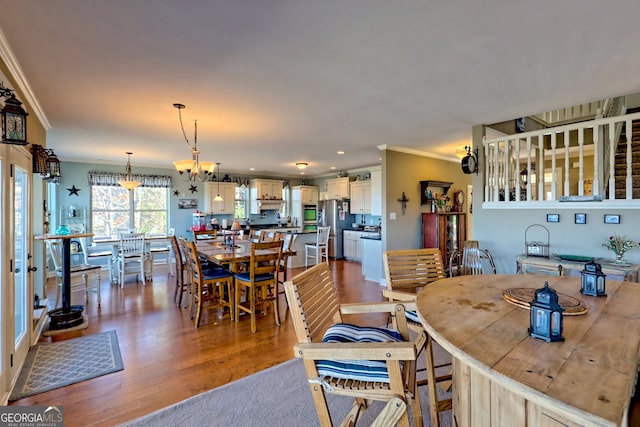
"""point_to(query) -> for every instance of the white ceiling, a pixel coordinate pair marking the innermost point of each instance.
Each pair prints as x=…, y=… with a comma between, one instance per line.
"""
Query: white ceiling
x=274, y=82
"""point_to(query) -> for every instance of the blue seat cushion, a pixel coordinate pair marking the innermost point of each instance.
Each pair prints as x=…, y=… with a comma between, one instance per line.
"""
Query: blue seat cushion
x=246, y=277
x=216, y=274
x=360, y=370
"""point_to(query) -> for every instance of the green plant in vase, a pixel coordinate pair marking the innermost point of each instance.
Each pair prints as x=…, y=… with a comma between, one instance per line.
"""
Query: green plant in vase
x=620, y=245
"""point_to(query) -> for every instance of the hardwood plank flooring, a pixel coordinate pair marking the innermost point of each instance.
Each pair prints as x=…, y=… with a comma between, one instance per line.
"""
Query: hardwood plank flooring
x=167, y=359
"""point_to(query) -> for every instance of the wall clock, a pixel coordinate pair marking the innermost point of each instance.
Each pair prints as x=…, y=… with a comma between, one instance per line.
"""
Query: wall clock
x=469, y=162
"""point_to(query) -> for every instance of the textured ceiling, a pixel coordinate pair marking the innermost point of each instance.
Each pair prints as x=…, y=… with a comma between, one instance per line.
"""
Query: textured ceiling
x=275, y=82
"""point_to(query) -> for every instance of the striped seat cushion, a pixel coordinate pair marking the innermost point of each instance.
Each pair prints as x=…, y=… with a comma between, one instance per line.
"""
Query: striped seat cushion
x=412, y=316
x=360, y=370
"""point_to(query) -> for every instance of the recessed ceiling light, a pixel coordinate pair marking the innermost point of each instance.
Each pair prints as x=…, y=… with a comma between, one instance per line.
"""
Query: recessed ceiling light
x=252, y=169
x=333, y=167
x=301, y=173
x=341, y=152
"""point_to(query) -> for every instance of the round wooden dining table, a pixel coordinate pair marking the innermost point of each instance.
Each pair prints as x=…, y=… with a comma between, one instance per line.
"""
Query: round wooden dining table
x=504, y=377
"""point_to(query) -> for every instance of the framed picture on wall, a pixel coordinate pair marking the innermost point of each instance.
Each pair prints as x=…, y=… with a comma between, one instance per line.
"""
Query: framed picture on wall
x=188, y=204
x=611, y=219
x=581, y=218
x=553, y=218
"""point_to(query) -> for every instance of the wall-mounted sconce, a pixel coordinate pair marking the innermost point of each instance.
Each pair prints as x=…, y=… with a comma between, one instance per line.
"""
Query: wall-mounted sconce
x=14, y=119
x=46, y=163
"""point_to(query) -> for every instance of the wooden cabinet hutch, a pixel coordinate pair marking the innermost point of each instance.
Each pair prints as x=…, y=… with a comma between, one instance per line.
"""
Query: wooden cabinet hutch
x=445, y=231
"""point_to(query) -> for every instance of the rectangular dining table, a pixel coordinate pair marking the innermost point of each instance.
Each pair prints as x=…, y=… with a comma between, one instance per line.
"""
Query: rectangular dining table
x=115, y=243
x=217, y=252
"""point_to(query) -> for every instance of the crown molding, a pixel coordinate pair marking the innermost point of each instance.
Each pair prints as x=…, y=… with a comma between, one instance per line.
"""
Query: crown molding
x=7, y=56
x=418, y=152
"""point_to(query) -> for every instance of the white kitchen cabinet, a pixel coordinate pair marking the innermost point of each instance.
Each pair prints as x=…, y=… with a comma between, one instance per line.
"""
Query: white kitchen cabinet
x=338, y=188
x=265, y=195
x=360, y=197
x=228, y=193
x=352, y=245
x=305, y=194
x=266, y=189
x=376, y=191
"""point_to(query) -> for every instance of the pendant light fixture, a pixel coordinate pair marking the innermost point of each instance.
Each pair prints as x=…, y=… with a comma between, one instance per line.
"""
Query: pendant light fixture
x=128, y=181
x=193, y=168
x=218, y=198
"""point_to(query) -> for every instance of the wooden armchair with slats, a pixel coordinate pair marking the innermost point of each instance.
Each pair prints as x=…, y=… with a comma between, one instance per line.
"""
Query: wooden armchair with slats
x=406, y=272
x=324, y=341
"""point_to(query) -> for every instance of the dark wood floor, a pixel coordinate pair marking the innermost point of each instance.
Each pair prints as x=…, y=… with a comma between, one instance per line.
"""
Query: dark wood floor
x=167, y=359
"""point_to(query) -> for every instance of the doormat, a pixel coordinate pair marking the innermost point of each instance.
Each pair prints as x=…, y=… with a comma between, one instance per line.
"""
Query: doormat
x=53, y=365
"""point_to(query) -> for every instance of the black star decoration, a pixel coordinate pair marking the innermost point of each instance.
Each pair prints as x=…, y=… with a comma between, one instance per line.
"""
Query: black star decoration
x=176, y=193
x=73, y=191
x=193, y=189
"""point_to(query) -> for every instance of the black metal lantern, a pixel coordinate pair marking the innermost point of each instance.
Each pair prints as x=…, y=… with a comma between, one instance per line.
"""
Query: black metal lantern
x=53, y=167
x=14, y=122
x=546, y=315
x=593, y=282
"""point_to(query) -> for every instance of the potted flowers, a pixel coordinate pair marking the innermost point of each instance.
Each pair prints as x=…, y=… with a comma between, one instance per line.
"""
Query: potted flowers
x=619, y=245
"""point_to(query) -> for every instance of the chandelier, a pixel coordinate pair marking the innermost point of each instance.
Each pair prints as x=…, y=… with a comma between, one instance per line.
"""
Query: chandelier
x=193, y=168
x=128, y=181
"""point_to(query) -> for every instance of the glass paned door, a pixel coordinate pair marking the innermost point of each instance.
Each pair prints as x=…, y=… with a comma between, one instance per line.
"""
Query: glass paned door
x=20, y=257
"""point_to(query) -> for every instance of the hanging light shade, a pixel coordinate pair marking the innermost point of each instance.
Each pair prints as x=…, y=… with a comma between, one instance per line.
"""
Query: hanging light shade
x=128, y=181
x=218, y=198
x=193, y=169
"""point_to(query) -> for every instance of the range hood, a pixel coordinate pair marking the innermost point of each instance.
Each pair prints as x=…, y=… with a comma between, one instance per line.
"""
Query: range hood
x=270, y=205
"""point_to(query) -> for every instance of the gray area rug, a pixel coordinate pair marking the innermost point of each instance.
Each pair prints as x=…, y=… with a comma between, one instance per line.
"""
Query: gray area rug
x=278, y=396
x=53, y=365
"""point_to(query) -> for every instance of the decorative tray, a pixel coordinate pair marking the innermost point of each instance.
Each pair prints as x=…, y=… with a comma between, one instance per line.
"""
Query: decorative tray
x=576, y=258
x=521, y=297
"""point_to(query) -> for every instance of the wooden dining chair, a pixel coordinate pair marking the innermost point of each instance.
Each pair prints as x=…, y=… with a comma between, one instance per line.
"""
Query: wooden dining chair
x=213, y=288
x=204, y=235
x=364, y=363
x=260, y=281
x=406, y=272
x=80, y=271
x=183, y=282
x=320, y=248
x=131, y=257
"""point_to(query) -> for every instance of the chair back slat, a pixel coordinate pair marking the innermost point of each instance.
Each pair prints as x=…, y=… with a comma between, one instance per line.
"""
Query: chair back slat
x=265, y=258
x=205, y=234
x=408, y=269
x=132, y=244
x=313, y=292
x=323, y=235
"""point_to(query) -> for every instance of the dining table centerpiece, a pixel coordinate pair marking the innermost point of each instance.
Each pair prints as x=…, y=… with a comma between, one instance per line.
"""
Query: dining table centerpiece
x=620, y=245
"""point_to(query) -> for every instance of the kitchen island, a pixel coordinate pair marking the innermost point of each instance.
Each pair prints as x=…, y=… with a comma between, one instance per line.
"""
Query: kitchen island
x=503, y=377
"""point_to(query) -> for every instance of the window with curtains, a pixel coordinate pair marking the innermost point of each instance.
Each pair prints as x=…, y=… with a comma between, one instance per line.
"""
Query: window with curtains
x=114, y=208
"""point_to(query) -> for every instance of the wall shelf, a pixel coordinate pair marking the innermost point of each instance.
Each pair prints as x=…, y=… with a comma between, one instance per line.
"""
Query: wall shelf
x=424, y=200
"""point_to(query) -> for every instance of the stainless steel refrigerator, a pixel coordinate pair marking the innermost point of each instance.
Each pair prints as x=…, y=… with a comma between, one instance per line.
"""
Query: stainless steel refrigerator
x=336, y=214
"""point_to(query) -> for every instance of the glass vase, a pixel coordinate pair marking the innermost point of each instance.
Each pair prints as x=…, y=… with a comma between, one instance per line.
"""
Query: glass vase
x=620, y=259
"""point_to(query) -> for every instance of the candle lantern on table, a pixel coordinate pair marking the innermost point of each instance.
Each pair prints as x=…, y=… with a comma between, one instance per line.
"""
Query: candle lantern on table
x=546, y=315
x=593, y=280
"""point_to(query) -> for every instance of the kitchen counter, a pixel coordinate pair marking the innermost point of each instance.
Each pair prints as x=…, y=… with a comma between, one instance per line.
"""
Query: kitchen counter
x=372, y=236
